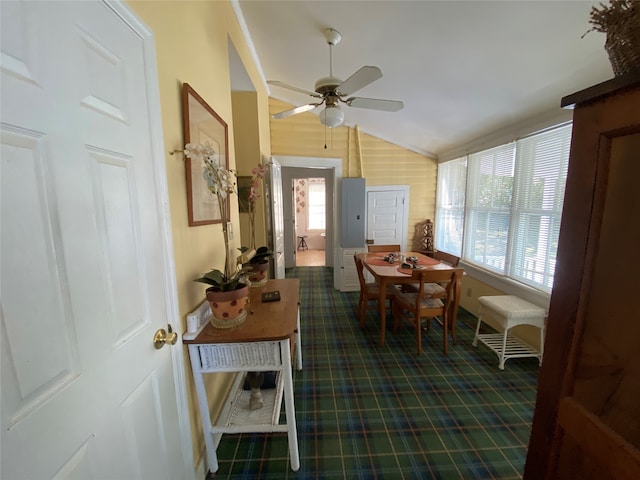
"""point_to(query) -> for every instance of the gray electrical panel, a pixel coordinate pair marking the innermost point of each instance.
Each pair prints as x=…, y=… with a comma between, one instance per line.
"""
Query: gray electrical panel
x=353, y=212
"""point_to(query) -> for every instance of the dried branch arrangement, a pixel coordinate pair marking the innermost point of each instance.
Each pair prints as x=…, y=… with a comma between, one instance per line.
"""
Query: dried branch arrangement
x=620, y=20
x=604, y=17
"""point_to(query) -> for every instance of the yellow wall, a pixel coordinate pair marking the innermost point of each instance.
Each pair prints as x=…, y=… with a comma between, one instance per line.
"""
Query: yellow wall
x=191, y=39
x=380, y=162
x=246, y=128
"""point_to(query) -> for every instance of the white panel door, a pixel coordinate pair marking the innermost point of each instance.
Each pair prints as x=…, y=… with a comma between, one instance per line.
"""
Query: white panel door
x=277, y=219
x=84, y=261
x=386, y=217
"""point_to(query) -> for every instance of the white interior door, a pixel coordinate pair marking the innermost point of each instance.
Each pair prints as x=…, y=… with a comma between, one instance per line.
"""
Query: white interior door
x=277, y=218
x=387, y=212
x=85, y=268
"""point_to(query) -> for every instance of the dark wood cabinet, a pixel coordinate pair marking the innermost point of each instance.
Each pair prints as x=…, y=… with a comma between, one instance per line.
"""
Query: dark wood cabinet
x=587, y=417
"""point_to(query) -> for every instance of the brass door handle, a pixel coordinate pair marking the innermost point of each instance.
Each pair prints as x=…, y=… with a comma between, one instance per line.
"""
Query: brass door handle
x=162, y=336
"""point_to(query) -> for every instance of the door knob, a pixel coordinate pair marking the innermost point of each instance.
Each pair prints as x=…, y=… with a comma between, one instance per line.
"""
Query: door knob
x=162, y=336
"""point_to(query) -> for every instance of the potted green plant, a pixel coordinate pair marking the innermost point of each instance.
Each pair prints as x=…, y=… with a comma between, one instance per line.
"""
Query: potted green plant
x=220, y=283
x=227, y=294
x=227, y=297
x=256, y=264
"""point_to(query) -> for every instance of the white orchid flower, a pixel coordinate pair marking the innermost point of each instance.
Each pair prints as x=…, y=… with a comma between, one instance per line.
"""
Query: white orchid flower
x=220, y=182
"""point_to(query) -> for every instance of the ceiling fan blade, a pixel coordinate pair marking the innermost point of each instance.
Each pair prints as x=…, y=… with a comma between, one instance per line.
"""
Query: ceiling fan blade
x=358, y=80
x=296, y=110
x=375, y=104
x=291, y=87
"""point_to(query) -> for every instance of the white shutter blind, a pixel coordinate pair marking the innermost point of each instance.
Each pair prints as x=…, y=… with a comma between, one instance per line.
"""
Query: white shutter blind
x=541, y=174
x=512, y=206
x=489, y=194
x=452, y=179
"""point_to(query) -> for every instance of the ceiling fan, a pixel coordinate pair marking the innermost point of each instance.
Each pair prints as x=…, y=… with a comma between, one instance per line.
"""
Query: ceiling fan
x=331, y=90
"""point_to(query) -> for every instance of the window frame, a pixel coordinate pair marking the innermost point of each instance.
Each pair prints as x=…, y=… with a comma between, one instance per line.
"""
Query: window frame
x=450, y=204
x=310, y=207
x=506, y=279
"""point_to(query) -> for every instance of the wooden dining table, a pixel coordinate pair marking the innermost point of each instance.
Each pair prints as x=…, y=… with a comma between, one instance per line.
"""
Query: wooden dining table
x=386, y=273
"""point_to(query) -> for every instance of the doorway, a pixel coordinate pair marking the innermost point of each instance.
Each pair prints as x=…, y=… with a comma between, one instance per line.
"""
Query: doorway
x=306, y=167
x=310, y=219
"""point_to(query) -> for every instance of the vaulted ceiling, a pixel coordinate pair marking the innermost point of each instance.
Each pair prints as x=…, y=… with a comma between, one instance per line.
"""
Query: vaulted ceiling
x=464, y=69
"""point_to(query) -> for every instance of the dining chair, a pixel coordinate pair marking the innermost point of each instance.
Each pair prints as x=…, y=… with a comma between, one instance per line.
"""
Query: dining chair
x=370, y=292
x=383, y=248
x=444, y=257
x=426, y=304
x=447, y=258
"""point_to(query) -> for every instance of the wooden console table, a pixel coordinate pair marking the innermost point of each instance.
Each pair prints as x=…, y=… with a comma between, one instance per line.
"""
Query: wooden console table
x=264, y=342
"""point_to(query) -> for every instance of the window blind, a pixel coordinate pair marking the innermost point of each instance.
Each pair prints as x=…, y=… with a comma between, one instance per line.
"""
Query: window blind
x=452, y=181
x=489, y=193
x=500, y=209
x=541, y=174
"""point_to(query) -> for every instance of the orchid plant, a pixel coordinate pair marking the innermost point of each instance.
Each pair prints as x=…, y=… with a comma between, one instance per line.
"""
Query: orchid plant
x=261, y=254
x=221, y=183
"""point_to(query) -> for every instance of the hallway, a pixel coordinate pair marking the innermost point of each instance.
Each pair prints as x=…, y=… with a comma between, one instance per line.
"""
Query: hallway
x=310, y=258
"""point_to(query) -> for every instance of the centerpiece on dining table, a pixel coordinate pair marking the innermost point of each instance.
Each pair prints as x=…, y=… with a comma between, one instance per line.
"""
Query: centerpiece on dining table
x=404, y=261
x=392, y=257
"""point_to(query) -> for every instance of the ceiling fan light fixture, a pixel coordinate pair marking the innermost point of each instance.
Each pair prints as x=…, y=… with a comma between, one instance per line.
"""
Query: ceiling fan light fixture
x=333, y=36
x=332, y=116
x=332, y=90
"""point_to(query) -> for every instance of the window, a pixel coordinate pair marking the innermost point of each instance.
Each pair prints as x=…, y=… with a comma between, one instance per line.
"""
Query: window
x=512, y=198
x=316, y=218
x=489, y=192
x=541, y=175
x=452, y=180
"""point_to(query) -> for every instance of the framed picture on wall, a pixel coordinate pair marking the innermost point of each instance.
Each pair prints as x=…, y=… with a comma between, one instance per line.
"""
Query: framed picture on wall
x=202, y=125
x=244, y=187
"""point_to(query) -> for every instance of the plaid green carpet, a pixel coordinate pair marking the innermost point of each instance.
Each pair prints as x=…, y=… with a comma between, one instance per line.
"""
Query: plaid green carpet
x=366, y=412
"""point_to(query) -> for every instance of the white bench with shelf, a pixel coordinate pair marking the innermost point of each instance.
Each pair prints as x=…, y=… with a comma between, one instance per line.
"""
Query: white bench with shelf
x=510, y=311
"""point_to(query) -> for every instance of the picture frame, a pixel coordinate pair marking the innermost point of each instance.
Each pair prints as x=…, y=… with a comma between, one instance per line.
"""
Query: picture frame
x=244, y=187
x=202, y=125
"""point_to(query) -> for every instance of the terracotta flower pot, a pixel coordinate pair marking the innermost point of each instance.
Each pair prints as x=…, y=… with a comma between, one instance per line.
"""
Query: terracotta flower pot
x=228, y=308
x=258, y=273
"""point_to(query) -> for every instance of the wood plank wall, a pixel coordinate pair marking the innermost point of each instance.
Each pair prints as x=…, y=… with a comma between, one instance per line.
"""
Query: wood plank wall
x=380, y=162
